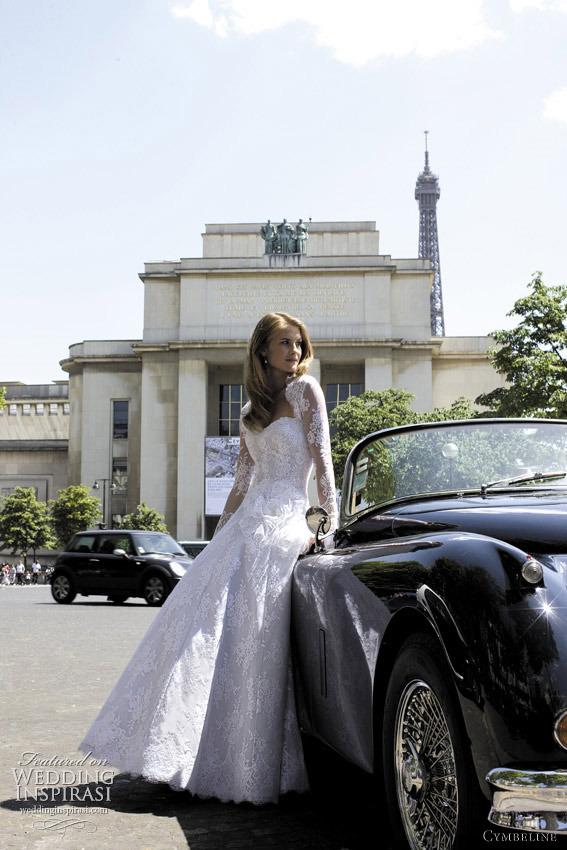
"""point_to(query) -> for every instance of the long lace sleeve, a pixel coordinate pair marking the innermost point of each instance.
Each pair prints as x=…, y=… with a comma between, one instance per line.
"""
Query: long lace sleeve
x=316, y=424
x=242, y=479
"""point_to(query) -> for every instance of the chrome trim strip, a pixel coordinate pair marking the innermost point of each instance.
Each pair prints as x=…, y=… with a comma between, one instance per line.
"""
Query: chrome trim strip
x=529, y=800
x=548, y=822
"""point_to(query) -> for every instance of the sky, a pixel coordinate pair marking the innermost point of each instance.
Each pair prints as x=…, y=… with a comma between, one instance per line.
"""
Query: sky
x=128, y=125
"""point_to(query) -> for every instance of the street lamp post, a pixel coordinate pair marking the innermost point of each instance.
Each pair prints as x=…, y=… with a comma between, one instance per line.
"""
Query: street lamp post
x=96, y=486
x=450, y=451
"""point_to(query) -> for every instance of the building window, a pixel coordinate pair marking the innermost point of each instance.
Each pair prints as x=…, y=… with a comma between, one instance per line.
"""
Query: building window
x=12, y=409
x=120, y=420
x=119, y=477
x=336, y=394
x=53, y=409
x=39, y=409
x=26, y=409
x=66, y=408
x=118, y=491
x=232, y=398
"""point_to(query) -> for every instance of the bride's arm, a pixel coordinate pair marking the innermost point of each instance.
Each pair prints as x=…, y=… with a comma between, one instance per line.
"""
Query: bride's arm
x=316, y=424
x=242, y=479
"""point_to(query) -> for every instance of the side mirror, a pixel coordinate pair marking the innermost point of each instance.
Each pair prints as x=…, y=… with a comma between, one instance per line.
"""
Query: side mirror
x=121, y=552
x=318, y=521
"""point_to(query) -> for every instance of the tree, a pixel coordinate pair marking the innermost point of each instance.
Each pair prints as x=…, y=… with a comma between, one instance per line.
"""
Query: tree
x=2, y=397
x=360, y=415
x=532, y=356
x=461, y=408
x=75, y=510
x=144, y=518
x=375, y=410
x=25, y=523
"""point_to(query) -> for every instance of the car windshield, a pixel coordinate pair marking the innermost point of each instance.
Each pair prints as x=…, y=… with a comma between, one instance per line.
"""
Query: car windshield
x=157, y=544
x=456, y=457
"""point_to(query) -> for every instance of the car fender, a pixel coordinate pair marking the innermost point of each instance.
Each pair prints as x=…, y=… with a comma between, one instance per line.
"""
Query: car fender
x=153, y=569
x=502, y=638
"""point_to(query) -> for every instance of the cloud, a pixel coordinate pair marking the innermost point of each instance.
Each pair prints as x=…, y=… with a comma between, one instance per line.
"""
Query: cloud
x=555, y=106
x=540, y=5
x=359, y=31
x=200, y=12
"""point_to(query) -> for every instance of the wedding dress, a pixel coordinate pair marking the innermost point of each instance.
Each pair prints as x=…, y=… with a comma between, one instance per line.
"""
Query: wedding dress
x=207, y=701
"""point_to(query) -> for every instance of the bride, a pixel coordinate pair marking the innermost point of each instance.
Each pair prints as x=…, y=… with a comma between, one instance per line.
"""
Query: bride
x=206, y=703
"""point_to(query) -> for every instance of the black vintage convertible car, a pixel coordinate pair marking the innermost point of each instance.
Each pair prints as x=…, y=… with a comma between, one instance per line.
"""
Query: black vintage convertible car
x=430, y=632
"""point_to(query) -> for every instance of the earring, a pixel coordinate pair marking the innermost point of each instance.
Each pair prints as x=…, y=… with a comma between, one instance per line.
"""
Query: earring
x=266, y=362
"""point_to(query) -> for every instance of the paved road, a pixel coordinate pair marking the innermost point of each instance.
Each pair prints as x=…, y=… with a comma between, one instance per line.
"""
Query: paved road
x=57, y=664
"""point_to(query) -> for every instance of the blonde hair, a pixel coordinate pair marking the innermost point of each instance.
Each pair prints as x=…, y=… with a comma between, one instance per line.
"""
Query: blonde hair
x=255, y=371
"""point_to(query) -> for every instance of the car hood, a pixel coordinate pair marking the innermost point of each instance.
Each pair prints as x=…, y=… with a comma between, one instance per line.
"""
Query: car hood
x=536, y=523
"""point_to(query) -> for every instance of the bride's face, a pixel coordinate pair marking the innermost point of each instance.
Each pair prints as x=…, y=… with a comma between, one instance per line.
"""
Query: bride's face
x=283, y=351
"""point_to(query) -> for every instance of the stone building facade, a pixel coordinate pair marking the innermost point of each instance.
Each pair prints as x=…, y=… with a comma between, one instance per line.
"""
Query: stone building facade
x=141, y=410
x=34, y=438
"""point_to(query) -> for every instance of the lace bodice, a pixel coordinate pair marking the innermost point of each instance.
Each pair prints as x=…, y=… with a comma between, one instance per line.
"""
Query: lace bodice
x=280, y=457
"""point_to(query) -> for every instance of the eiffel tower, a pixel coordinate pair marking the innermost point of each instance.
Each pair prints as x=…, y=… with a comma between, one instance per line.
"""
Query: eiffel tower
x=427, y=193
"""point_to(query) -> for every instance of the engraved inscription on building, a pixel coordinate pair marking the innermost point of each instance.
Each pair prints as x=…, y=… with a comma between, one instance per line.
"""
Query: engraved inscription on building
x=323, y=299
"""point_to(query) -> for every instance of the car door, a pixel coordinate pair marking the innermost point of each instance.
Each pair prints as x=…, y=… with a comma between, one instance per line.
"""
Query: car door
x=81, y=562
x=116, y=573
x=338, y=624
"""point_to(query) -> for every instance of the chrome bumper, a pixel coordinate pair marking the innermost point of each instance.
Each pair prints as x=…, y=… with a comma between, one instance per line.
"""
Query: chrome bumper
x=531, y=800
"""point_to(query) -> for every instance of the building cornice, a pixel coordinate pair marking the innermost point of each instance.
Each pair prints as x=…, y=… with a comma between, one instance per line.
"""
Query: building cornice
x=213, y=267
x=82, y=359
x=318, y=344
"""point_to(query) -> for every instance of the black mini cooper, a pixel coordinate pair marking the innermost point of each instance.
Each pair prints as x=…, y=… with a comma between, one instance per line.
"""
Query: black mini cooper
x=119, y=564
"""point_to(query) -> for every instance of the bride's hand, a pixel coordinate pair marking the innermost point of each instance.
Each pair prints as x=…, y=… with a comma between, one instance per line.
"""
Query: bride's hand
x=308, y=544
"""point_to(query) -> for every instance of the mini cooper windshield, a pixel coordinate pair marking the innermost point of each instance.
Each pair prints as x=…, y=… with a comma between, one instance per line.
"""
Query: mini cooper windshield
x=472, y=456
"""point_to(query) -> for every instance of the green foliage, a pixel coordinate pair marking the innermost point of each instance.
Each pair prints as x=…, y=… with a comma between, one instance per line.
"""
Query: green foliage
x=360, y=415
x=24, y=522
x=532, y=356
x=144, y=519
x=462, y=408
x=375, y=410
x=75, y=510
x=2, y=397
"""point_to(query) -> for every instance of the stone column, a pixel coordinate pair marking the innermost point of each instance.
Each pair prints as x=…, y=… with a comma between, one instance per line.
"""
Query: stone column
x=413, y=372
x=192, y=406
x=315, y=369
x=158, y=444
x=378, y=372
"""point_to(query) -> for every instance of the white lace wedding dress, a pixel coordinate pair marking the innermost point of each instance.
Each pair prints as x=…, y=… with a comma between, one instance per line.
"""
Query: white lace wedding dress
x=207, y=702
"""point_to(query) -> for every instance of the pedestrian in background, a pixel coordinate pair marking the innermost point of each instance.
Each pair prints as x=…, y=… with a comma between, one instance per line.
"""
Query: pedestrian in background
x=20, y=571
x=36, y=569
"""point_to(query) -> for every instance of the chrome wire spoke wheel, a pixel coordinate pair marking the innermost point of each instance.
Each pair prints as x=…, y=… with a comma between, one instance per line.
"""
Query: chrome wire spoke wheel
x=425, y=770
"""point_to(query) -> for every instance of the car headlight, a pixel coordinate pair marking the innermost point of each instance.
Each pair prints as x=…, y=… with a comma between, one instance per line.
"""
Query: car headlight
x=532, y=570
x=177, y=569
x=560, y=729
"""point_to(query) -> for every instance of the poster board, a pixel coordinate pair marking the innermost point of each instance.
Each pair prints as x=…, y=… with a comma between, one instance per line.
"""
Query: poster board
x=221, y=456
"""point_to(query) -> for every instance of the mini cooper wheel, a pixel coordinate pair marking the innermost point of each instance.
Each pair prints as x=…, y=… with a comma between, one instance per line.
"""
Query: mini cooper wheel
x=430, y=785
x=62, y=589
x=155, y=590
